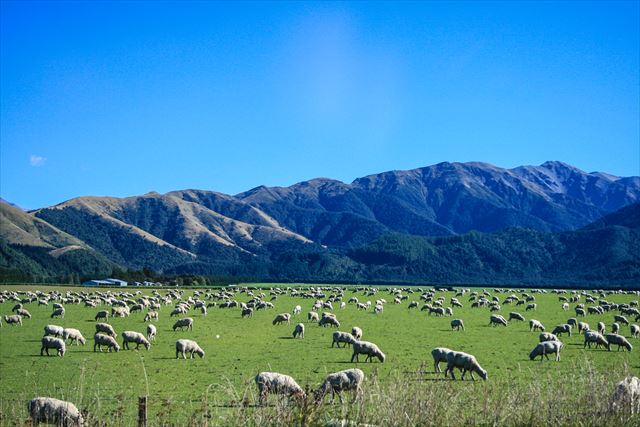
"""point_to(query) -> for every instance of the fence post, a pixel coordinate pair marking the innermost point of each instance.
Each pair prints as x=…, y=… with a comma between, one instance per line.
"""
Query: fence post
x=142, y=411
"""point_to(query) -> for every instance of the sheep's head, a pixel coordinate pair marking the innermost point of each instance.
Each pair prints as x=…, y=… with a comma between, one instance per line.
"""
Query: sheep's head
x=483, y=374
x=534, y=353
x=628, y=346
x=82, y=340
x=200, y=352
x=381, y=356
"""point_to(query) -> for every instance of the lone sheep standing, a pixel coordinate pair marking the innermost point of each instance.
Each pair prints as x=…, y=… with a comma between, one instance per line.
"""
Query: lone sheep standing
x=53, y=411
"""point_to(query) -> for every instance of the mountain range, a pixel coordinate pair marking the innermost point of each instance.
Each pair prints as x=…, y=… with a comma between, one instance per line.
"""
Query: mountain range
x=445, y=223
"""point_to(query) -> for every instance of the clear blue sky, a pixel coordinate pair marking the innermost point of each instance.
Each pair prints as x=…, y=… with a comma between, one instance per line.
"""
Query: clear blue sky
x=124, y=98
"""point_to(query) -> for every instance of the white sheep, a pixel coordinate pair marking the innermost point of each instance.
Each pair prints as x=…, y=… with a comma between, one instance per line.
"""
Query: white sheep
x=329, y=320
x=620, y=341
x=514, y=315
x=151, y=332
x=601, y=328
x=73, y=335
x=282, y=317
x=356, y=332
x=102, y=314
x=466, y=363
x=616, y=318
x=186, y=322
x=54, y=343
x=544, y=348
x=535, y=325
x=24, y=313
x=55, y=330
x=627, y=395
x=562, y=329
x=246, y=312
x=343, y=337
x=105, y=328
x=546, y=336
x=457, y=324
x=595, y=337
x=151, y=315
x=565, y=306
x=276, y=383
x=134, y=337
x=336, y=383
x=378, y=309
x=635, y=331
x=106, y=340
x=185, y=346
x=58, y=312
x=53, y=411
x=299, y=330
x=14, y=319
x=439, y=355
x=297, y=310
x=497, y=319
x=368, y=348
x=615, y=328
x=313, y=316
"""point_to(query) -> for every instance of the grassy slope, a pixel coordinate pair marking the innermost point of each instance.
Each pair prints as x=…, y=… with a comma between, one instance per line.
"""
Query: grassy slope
x=247, y=346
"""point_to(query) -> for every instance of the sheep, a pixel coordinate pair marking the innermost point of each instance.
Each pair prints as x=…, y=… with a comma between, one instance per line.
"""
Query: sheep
x=595, y=337
x=297, y=310
x=151, y=315
x=343, y=337
x=496, y=319
x=516, y=316
x=203, y=310
x=106, y=340
x=356, y=332
x=544, y=348
x=336, y=383
x=466, y=363
x=615, y=328
x=106, y=328
x=562, y=329
x=635, y=331
x=54, y=343
x=531, y=307
x=134, y=337
x=616, y=318
x=151, y=332
x=368, y=348
x=546, y=336
x=186, y=322
x=620, y=341
x=583, y=327
x=53, y=411
x=58, y=312
x=313, y=316
x=276, y=383
x=102, y=314
x=573, y=322
x=535, y=325
x=120, y=312
x=24, y=313
x=457, y=324
x=439, y=355
x=178, y=311
x=246, y=312
x=329, y=320
x=188, y=346
x=282, y=317
x=580, y=311
x=73, y=335
x=413, y=304
x=601, y=327
x=627, y=394
x=14, y=319
x=565, y=306
x=55, y=330
x=299, y=330
x=378, y=309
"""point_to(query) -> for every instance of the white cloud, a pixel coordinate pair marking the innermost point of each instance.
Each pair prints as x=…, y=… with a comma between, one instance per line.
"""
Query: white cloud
x=37, y=161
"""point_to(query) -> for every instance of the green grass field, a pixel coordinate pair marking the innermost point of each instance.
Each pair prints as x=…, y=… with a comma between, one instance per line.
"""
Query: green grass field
x=404, y=390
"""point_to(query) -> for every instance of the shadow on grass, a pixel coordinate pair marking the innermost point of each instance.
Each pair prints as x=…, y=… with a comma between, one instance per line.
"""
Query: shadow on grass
x=285, y=338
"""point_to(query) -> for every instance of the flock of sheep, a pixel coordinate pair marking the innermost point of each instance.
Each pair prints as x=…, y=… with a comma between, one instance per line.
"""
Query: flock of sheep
x=124, y=303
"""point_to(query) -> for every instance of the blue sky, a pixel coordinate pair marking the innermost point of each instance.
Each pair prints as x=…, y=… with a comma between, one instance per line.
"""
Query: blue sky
x=124, y=98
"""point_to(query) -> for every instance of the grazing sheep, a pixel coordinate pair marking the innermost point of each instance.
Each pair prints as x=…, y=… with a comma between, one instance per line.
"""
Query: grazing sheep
x=531, y=307
x=544, y=348
x=336, y=383
x=378, y=309
x=546, y=336
x=14, y=319
x=615, y=328
x=24, y=313
x=313, y=316
x=516, y=316
x=178, y=311
x=601, y=327
x=595, y=337
x=626, y=395
x=297, y=310
x=368, y=348
x=203, y=310
x=58, y=312
x=299, y=331
x=106, y=340
x=120, y=311
x=186, y=322
x=55, y=330
x=53, y=411
x=439, y=355
x=497, y=319
x=151, y=315
x=413, y=304
x=457, y=324
x=356, y=332
x=54, y=343
x=343, y=337
x=565, y=306
x=466, y=363
x=102, y=314
x=151, y=332
x=535, y=325
x=583, y=327
x=635, y=331
x=620, y=341
x=73, y=335
x=106, y=328
x=562, y=329
x=580, y=312
x=276, y=383
x=329, y=320
x=616, y=318
x=282, y=317
x=134, y=337
x=573, y=322
x=246, y=312
x=188, y=346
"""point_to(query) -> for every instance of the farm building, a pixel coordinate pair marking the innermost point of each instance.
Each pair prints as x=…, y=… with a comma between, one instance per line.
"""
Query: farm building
x=105, y=282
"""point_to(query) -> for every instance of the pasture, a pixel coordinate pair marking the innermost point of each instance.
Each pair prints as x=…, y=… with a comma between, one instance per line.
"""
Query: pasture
x=404, y=390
